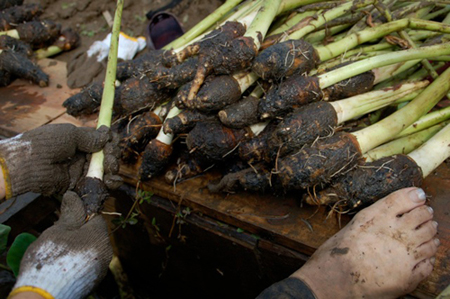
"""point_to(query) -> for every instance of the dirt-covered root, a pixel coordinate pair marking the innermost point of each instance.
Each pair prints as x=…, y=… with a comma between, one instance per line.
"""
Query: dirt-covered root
x=68, y=40
x=217, y=93
x=155, y=158
x=5, y=78
x=257, y=178
x=86, y=102
x=303, y=126
x=16, y=45
x=93, y=193
x=370, y=182
x=285, y=59
x=10, y=17
x=141, y=64
x=138, y=93
x=136, y=133
x=173, y=77
x=213, y=140
x=224, y=60
x=219, y=36
x=9, y=3
x=355, y=85
x=294, y=92
x=319, y=163
x=184, y=121
x=39, y=33
x=187, y=166
x=256, y=149
x=135, y=67
x=19, y=66
x=240, y=114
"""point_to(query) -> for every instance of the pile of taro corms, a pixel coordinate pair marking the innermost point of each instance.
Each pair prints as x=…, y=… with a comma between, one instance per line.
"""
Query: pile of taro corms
x=25, y=38
x=340, y=99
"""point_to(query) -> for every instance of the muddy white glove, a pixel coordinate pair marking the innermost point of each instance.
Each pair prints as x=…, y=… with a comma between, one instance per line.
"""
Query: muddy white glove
x=128, y=47
x=68, y=259
x=51, y=159
x=87, y=67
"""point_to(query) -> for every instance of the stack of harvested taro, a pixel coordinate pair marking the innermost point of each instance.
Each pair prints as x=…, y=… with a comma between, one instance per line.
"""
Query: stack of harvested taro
x=340, y=99
x=24, y=38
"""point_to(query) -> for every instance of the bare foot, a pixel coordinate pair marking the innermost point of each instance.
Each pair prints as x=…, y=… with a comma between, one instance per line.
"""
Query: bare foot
x=384, y=252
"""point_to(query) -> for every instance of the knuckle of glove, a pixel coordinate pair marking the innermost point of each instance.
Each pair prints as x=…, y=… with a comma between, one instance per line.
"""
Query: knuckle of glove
x=90, y=140
x=111, y=164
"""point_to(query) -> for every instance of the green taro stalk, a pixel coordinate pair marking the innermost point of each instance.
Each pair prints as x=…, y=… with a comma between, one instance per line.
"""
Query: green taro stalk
x=106, y=107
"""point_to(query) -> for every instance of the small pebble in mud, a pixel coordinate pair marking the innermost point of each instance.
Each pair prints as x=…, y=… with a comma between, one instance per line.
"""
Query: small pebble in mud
x=58, y=86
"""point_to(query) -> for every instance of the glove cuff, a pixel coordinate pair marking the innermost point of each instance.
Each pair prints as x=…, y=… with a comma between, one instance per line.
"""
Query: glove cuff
x=13, y=152
x=23, y=289
x=6, y=178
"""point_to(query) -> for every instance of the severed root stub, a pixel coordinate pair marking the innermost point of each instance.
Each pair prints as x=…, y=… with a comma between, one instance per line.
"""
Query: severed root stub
x=184, y=121
x=93, y=193
x=355, y=85
x=39, y=33
x=16, y=45
x=68, y=40
x=319, y=163
x=136, y=133
x=220, y=36
x=215, y=94
x=155, y=159
x=296, y=91
x=257, y=178
x=19, y=66
x=86, y=102
x=10, y=17
x=213, y=140
x=303, y=126
x=257, y=148
x=285, y=59
x=224, y=60
x=240, y=114
x=370, y=182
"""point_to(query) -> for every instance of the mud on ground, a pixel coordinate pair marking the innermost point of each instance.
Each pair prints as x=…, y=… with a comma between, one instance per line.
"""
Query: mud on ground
x=86, y=16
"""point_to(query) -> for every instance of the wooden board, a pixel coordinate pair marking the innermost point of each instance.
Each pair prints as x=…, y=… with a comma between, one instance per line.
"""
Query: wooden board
x=24, y=106
x=302, y=228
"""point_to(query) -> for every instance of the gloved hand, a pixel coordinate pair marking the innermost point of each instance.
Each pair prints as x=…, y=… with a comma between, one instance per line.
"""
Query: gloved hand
x=51, y=159
x=85, y=67
x=69, y=258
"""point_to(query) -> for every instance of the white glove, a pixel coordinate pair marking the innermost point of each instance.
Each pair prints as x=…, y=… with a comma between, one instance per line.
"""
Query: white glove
x=128, y=47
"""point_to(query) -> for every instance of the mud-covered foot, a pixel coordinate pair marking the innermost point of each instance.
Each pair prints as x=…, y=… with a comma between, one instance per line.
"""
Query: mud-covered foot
x=384, y=252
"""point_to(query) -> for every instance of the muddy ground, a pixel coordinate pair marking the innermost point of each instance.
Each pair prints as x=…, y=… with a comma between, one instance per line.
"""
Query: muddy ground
x=86, y=16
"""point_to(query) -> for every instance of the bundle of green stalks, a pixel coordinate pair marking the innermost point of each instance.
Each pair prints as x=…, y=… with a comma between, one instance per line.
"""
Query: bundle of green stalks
x=298, y=93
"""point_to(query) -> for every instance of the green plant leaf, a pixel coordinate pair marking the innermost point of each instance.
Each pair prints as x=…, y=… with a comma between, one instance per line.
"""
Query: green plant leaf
x=17, y=250
x=4, y=233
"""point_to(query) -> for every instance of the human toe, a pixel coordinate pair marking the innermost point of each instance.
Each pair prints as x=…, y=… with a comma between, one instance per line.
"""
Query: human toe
x=401, y=201
x=424, y=233
x=427, y=250
x=420, y=271
x=417, y=216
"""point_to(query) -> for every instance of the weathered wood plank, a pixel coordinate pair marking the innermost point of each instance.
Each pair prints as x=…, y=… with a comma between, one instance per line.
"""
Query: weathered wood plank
x=24, y=106
x=282, y=220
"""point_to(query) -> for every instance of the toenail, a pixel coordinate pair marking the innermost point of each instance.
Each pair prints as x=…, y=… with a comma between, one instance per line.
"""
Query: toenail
x=433, y=260
x=417, y=195
x=437, y=242
x=435, y=224
x=431, y=210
